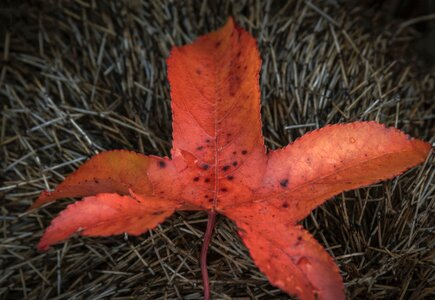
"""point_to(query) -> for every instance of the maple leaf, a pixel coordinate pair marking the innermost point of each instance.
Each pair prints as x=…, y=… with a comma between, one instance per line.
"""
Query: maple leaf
x=219, y=164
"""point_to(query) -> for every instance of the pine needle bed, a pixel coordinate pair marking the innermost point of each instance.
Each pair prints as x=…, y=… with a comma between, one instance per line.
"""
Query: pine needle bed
x=77, y=78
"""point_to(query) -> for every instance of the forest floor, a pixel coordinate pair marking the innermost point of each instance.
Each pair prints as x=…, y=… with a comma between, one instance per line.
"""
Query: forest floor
x=79, y=77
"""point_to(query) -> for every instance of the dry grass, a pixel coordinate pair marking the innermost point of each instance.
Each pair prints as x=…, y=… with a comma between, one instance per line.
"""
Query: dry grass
x=81, y=77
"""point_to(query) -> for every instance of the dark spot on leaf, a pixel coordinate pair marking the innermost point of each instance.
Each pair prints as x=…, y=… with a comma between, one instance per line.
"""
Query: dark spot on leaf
x=234, y=152
x=225, y=168
x=298, y=241
x=238, y=54
x=210, y=200
x=283, y=182
x=224, y=189
x=230, y=177
x=206, y=196
x=207, y=180
x=285, y=205
x=204, y=166
x=162, y=164
x=198, y=71
x=199, y=148
x=157, y=213
x=228, y=134
x=196, y=178
x=217, y=44
x=234, y=163
x=207, y=140
x=96, y=180
x=244, y=152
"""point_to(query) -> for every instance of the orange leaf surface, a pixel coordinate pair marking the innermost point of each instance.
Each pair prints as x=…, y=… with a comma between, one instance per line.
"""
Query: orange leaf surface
x=107, y=214
x=108, y=172
x=326, y=162
x=216, y=116
x=219, y=164
x=293, y=260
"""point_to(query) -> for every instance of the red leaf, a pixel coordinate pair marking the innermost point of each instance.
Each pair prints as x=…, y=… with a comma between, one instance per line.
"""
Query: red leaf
x=107, y=214
x=337, y=158
x=109, y=172
x=216, y=116
x=326, y=162
x=293, y=261
x=219, y=164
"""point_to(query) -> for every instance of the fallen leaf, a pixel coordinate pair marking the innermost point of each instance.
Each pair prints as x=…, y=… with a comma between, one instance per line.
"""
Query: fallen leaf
x=219, y=164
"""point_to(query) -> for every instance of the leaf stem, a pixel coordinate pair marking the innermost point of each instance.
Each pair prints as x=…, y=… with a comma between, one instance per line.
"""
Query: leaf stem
x=207, y=238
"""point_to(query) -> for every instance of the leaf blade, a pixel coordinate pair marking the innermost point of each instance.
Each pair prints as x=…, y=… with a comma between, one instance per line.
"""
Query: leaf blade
x=107, y=214
x=216, y=111
x=293, y=261
x=113, y=171
x=334, y=159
